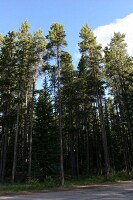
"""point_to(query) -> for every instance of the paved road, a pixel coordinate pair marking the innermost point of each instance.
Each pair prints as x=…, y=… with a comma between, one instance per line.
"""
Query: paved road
x=107, y=192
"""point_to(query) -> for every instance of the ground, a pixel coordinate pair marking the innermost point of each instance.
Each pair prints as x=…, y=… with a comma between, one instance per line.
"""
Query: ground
x=117, y=191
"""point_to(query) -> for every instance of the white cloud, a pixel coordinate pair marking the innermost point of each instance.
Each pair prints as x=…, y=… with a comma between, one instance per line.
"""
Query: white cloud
x=104, y=33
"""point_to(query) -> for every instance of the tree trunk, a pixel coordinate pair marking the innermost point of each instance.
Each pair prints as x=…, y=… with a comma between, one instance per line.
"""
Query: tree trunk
x=60, y=125
x=77, y=157
x=15, y=146
x=87, y=152
x=127, y=108
x=124, y=139
x=72, y=155
x=104, y=138
x=3, y=153
x=31, y=128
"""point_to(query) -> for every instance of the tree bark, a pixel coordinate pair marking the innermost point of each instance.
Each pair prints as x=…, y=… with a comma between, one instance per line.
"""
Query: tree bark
x=3, y=153
x=60, y=125
x=15, y=146
x=31, y=128
x=104, y=138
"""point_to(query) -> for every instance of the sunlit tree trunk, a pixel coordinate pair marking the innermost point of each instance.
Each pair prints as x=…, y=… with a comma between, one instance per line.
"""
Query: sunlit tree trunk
x=31, y=128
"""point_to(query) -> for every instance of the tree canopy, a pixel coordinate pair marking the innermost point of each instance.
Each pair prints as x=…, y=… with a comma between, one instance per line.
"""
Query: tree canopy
x=80, y=122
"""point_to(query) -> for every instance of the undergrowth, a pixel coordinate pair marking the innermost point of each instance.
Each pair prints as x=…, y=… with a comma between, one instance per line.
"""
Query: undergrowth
x=49, y=183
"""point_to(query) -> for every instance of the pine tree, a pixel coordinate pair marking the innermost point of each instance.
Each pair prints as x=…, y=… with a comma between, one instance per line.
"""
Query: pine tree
x=7, y=92
x=118, y=70
x=56, y=42
x=91, y=53
x=45, y=138
x=20, y=58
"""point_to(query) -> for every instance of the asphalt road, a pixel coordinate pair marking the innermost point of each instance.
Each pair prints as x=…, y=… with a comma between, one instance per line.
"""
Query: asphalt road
x=107, y=192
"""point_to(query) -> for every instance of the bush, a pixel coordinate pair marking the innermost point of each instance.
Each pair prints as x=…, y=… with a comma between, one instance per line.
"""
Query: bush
x=32, y=181
x=50, y=182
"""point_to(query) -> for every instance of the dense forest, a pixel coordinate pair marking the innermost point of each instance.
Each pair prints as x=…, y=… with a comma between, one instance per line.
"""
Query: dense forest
x=81, y=122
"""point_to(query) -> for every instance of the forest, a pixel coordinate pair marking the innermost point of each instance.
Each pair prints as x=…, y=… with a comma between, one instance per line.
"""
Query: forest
x=81, y=122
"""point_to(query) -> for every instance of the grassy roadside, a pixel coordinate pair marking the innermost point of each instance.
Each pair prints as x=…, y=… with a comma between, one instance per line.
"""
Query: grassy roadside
x=84, y=181
x=33, y=185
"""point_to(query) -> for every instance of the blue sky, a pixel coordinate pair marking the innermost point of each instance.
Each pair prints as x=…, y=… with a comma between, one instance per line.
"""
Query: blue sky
x=73, y=14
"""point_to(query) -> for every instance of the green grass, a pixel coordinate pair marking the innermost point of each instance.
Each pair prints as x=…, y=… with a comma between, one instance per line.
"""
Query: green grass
x=85, y=181
x=33, y=185
x=121, y=176
x=24, y=188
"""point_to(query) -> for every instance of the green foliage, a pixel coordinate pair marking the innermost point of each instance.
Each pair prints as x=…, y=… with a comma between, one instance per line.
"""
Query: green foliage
x=84, y=181
x=88, y=40
x=56, y=35
x=20, y=58
x=45, y=138
x=50, y=182
x=32, y=181
x=97, y=130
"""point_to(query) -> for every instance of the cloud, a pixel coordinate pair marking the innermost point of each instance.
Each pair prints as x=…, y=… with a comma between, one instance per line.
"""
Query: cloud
x=104, y=33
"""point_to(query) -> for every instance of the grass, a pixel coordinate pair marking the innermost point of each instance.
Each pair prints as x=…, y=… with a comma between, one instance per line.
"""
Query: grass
x=33, y=185
x=83, y=181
